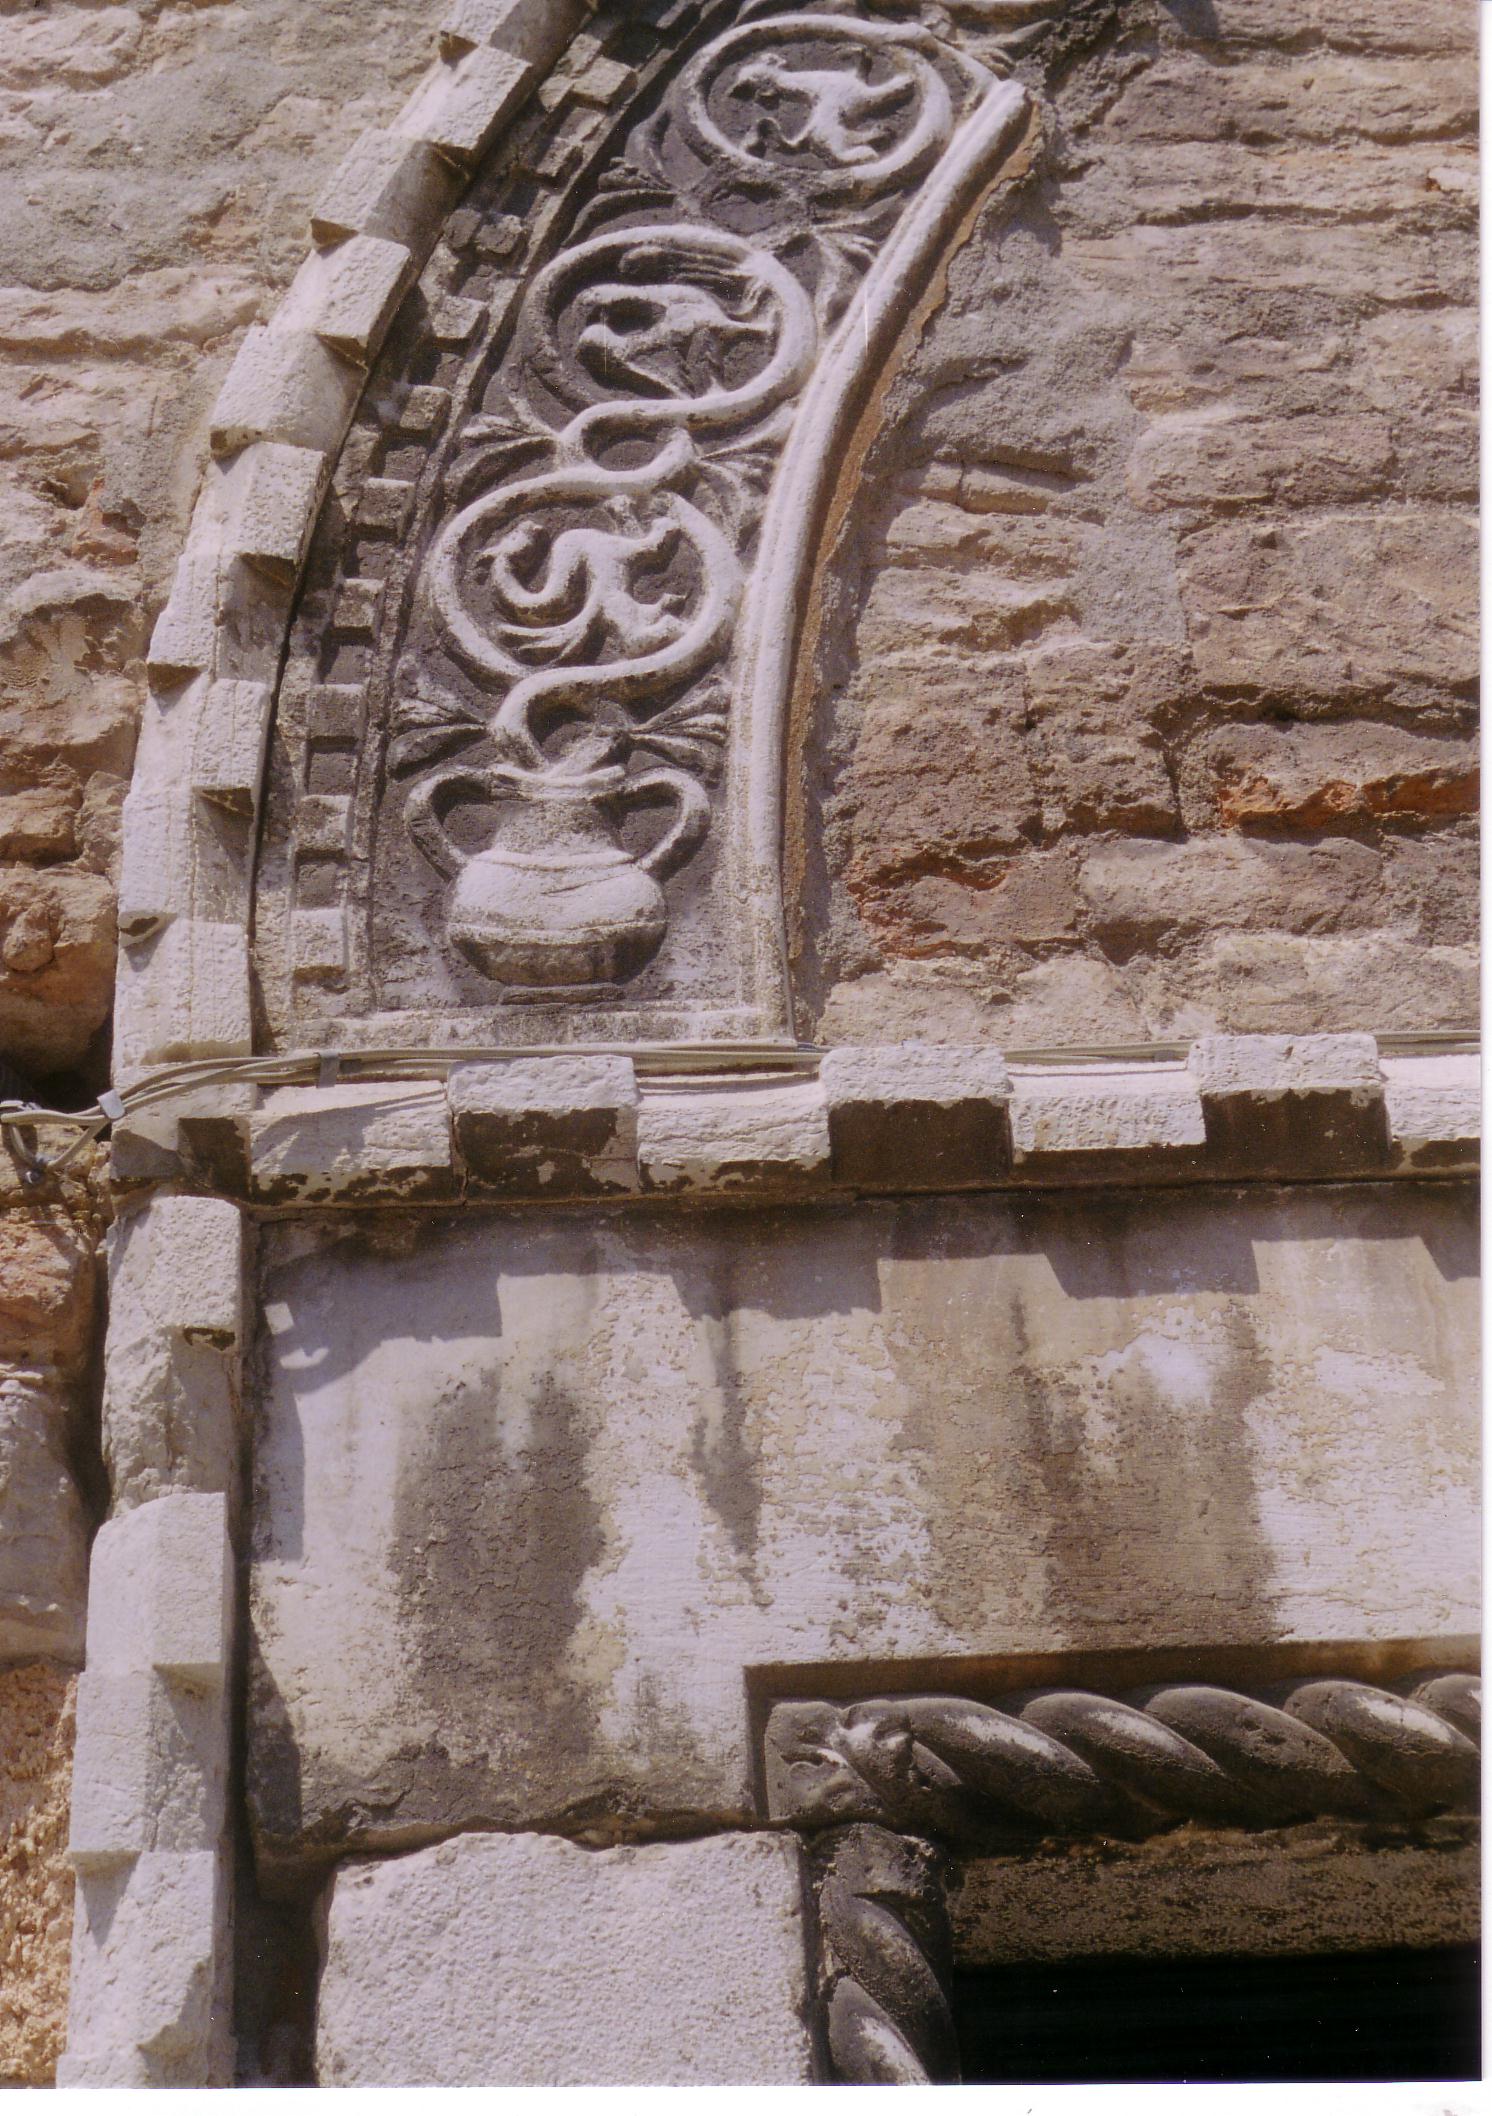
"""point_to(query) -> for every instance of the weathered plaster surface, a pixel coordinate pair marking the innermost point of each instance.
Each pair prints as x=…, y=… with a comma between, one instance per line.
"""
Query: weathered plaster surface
x=531, y=1496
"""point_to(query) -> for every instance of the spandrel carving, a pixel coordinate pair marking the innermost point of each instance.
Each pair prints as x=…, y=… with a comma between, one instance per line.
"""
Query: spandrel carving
x=566, y=753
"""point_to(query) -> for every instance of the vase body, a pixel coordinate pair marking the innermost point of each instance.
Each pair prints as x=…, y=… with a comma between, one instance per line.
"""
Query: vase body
x=556, y=902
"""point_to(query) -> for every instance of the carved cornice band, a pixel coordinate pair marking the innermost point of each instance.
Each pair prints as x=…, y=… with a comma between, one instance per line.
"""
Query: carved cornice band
x=1067, y=1762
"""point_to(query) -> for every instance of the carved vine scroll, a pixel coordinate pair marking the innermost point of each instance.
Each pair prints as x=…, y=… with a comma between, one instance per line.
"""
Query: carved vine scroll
x=570, y=794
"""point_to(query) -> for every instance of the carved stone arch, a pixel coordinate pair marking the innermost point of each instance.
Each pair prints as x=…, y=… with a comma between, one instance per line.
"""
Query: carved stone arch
x=520, y=521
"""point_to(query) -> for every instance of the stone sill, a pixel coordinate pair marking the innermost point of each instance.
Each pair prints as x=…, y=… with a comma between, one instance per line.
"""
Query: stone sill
x=867, y=1121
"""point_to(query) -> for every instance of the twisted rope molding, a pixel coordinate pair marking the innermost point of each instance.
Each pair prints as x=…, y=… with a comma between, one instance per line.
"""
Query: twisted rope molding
x=1068, y=1762
x=886, y=1958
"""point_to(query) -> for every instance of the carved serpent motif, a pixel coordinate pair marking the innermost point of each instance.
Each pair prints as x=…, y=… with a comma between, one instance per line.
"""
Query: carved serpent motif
x=1071, y=1762
x=596, y=585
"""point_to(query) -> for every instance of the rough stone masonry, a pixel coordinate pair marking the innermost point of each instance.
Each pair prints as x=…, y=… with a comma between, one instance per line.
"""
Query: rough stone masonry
x=943, y=536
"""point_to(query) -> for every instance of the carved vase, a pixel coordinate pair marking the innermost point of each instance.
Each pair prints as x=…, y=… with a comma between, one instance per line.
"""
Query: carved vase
x=556, y=901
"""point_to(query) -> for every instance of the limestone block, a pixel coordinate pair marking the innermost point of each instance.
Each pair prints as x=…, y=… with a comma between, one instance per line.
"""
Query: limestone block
x=527, y=1961
x=228, y=738
x=917, y=1116
x=150, y=1771
x=150, y=2004
x=325, y=1146
x=387, y=185
x=1303, y=1105
x=160, y=1591
x=287, y=386
x=464, y=102
x=535, y=30
x=1107, y=1111
x=738, y=1138
x=1435, y=1110
x=183, y=993
x=276, y=490
x=155, y=873
x=170, y=1412
x=567, y=1125
x=186, y=632
x=720, y=1433
x=347, y=295
x=43, y=1536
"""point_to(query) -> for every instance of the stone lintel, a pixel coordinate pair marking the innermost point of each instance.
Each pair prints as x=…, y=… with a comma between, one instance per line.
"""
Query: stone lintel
x=873, y=1120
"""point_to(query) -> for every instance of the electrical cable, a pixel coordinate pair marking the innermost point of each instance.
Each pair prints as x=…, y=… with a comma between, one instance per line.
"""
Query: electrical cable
x=434, y=1062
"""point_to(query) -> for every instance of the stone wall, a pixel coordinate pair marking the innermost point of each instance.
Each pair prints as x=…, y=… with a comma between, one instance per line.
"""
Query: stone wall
x=1145, y=670
x=1146, y=687
x=157, y=165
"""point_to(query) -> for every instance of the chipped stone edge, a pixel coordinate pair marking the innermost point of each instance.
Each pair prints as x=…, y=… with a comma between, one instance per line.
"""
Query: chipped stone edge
x=278, y=425
x=866, y=1121
x=151, y=1833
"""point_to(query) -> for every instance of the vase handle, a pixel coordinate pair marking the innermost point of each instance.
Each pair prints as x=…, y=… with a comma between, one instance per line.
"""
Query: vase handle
x=693, y=820
x=426, y=809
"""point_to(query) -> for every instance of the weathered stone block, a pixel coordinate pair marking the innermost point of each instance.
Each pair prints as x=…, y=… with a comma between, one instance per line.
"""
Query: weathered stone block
x=721, y=1432
x=567, y=1125
x=150, y=2004
x=1335, y=777
x=741, y=1138
x=1107, y=1111
x=286, y=386
x=276, y=490
x=150, y=1771
x=157, y=867
x=392, y=1137
x=43, y=1536
x=526, y=1961
x=183, y=993
x=464, y=103
x=36, y=1883
x=535, y=30
x=49, y=1275
x=160, y=1591
x=1434, y=1109
x=228, y=738
x=171, y=1353
x=917, y=1116
x=347, y=295
x=186, y=632
x=1304, y=1105
x=1277, y=609
x=387, y=185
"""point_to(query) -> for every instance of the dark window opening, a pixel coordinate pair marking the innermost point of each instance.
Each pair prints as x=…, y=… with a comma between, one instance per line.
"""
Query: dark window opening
x=1209, y=2021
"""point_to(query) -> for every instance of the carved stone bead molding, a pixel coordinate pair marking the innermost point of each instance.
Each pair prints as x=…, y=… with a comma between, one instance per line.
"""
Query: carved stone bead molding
x=886, y=1955
x=854, y=1121
x=1070, y=1763
x=526, y=774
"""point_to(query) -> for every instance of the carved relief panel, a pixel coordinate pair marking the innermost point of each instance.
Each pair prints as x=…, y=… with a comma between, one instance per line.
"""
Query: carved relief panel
x=525, y=784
